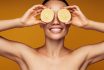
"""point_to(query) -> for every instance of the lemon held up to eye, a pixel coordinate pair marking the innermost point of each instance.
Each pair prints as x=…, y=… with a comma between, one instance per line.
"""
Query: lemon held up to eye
x=47, y=15
x=64, y=15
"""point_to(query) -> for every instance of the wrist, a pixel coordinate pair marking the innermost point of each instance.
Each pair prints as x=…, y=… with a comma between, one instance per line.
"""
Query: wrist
x=20, y=23
x=87, y=24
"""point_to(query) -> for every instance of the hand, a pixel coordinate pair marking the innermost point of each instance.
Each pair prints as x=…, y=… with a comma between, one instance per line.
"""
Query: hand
x=78, y=18
x=29, y=18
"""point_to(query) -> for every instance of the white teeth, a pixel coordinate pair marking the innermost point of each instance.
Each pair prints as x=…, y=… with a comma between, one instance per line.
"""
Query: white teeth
x=56, y=30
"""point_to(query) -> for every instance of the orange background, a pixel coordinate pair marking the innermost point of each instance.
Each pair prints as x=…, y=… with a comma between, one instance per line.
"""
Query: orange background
x=34, y=36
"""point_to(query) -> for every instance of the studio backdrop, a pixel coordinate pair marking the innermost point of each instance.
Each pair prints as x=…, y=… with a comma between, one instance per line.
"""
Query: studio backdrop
x=34, y=36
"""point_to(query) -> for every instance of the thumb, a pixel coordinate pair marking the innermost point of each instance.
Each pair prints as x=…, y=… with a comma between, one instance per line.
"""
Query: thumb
x=38, y=22
x=70, y=22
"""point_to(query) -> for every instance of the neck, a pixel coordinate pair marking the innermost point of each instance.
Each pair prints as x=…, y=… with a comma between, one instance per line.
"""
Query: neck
x=54, y=47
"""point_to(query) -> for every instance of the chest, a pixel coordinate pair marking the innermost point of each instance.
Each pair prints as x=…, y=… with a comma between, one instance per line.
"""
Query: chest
x=32, y=62
x=42, y=64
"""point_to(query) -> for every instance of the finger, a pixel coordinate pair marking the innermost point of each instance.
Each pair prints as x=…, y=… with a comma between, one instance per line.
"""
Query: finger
x=69, y=7
x=28, y=13
x=69, y=22
x=74, y=7
x=37, y=10
x=36, y=7
x=39, y=22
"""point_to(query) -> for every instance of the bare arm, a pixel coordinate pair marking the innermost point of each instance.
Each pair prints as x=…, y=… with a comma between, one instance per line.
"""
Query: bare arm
x=99, y=26
x=9, y=49
x=80, y=20
x=8, y=24
x=95, y=52
x=28, y=19
x=13, y=50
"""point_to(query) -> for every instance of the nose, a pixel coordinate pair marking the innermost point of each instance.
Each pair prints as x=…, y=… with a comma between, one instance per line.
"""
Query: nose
x=55, y=21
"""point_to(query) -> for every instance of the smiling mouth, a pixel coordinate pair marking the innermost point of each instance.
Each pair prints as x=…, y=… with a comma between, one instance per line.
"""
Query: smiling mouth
x=56, y=29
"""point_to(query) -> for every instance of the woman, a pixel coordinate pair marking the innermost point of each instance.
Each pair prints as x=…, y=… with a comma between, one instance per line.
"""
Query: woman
x=52, y=55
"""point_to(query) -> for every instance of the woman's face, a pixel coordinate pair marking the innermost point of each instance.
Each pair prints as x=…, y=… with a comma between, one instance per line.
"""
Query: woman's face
x=55, y=30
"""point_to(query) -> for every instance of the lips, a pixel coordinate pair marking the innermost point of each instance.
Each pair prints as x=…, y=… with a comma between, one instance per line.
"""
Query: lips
x=56, y=29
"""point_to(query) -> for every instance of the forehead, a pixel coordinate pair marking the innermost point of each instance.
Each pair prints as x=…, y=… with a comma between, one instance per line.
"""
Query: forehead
x=55, y=5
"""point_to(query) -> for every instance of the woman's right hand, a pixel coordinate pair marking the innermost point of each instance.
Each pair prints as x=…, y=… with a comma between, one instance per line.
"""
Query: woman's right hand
x=29, y=18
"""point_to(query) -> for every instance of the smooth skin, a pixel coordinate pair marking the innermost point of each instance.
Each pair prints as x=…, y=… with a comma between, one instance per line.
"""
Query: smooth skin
x=52, y=55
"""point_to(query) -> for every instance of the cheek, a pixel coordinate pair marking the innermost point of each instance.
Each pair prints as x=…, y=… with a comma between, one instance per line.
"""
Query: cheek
x=65, y=31
x=67, y=28
x=42, y=26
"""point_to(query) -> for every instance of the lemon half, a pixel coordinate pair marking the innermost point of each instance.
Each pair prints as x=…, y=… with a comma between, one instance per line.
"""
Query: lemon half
x=64, y=15
x=47, y=15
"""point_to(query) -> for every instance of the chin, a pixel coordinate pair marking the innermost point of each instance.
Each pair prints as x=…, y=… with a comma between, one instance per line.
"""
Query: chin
x=55, y=36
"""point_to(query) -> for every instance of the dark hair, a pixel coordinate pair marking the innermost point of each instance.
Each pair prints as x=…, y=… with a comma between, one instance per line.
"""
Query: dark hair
x=45, y=1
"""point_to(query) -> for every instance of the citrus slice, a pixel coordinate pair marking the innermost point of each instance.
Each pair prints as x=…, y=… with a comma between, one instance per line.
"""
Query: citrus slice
x=47, y=15
x=64, y=15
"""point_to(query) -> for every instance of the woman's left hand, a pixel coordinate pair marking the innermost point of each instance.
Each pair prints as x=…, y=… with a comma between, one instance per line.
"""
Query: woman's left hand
x=78, y=18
